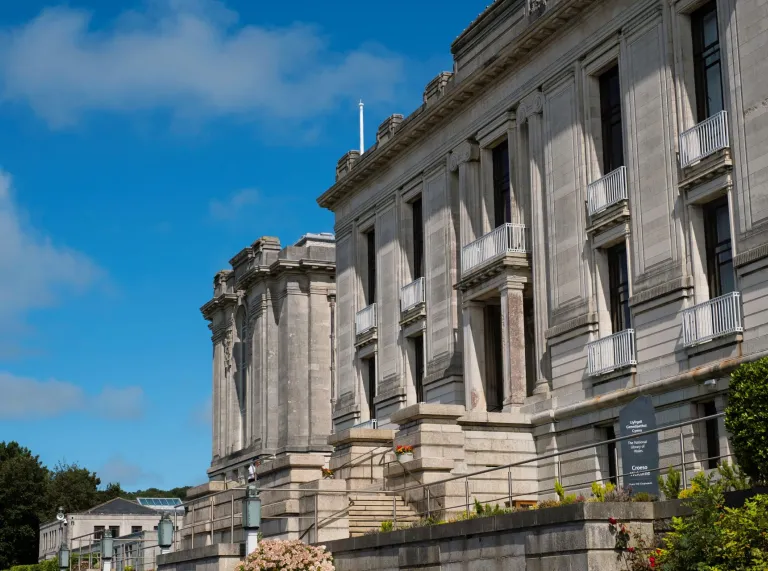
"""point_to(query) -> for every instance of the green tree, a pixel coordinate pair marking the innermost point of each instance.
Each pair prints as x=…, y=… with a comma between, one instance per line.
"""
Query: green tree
x=71, y=487
x=23, y=487
x=112, y=491
x=746, y=418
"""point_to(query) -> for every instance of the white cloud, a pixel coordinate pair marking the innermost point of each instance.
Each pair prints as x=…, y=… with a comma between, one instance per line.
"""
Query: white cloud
x=189, y=57
x=233, y=206
x=117, y=469
x=35, y=270
x=28, y=399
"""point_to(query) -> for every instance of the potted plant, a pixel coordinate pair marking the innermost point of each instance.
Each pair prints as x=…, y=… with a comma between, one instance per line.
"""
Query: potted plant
x=327, y=474
x=404, y=453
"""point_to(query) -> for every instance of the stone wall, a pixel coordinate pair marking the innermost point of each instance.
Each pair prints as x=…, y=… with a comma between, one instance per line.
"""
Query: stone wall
x=574, y=537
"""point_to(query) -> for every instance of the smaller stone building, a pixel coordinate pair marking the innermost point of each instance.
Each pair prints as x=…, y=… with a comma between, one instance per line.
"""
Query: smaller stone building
x=84, y=529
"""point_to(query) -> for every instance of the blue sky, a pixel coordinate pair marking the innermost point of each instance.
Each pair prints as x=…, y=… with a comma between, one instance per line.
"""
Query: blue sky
x=142, y=145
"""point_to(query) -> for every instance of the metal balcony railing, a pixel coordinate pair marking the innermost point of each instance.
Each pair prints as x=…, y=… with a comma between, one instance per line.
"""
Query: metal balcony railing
x=714, y=318
x=506, y=238
x=611, y=353
x=412, y=294
x=607, y=191
x=706, y=138
x=365, y=319
x=366, y=424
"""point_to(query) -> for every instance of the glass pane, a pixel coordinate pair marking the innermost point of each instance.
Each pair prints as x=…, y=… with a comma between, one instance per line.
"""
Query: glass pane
x=714, y=90
x=709, y=29
x=727, y=282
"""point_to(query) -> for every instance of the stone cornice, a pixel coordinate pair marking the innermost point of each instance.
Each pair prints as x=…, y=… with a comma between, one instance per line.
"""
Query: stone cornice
x=750, y=256
x=426, y=118
x=676, y=285
x=282, y=266
x=575, y=323
x=217, y=303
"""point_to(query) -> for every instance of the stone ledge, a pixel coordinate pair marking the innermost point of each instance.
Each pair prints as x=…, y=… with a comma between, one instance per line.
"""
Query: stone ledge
x=291, y=461
x=750, y=256
x=362, y=435
x=528, y=519
x=197, y=553
x=582, y=321
x=496, y=419
x=713, y=344
x=672, y=286
x=280, y=508
x=421, y=465
x=424, y=411
x=206, y=489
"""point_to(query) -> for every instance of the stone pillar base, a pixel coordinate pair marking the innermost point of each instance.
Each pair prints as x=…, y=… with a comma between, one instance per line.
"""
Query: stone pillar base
x=360, y=456
x=438, y=452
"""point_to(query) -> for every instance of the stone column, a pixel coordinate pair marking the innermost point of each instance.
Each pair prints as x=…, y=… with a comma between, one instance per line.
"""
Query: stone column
x=530, y=111
x=216, y=401
x=466, y=159
x=294, y=366
x=513, y=343
x=474, y=355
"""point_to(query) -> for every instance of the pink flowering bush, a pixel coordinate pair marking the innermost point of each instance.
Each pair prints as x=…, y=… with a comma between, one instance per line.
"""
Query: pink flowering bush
x=288, y=556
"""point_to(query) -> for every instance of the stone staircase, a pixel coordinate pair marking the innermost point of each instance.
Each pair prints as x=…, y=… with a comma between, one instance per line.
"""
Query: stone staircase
x=367, y=510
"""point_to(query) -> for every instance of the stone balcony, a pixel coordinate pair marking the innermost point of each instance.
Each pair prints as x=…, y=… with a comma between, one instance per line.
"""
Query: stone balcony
x=611, y=353
x=507, y=245
x=366, y=325
x=718, y=317
x=413, y=301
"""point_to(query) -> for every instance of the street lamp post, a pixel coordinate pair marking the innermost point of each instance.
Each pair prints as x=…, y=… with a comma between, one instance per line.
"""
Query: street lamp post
x=165, y=534
x=107, y=544
x=63, y=549
x=251, y=518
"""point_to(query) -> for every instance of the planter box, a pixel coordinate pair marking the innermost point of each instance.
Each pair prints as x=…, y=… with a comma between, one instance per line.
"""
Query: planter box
x=403, y=458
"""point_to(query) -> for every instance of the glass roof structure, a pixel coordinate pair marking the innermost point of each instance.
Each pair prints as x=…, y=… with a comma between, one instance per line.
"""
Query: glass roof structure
x=160, y=503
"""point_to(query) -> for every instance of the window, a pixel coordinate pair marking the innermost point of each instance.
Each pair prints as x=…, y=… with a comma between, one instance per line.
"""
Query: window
x=610, y=434
x=501, y=205
x=370, y=385
x=136, y=529
x=712, y=433
x=115, y=529
x=98, y=532
x=618, y=284
x=717, y=237
x=494, y=386
x=371, y=253
x=610, y=118
x=418, y=239
x=418, y=367
x=706, y=61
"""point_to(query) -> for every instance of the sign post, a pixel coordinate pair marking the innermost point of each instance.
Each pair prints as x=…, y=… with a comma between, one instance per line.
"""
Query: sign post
x=640, y=454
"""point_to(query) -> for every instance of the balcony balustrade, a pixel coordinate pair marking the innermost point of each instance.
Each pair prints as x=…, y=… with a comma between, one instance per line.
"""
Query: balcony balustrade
x=365, y=319
x=704, y=139
x=607, y=191
x=412, y=295
x=500, y=241
x=610, y=353
x=714, y=318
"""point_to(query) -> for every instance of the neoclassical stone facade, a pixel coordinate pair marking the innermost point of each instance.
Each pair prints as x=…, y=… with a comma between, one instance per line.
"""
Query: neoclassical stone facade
x=577, y=215
x=272, y=320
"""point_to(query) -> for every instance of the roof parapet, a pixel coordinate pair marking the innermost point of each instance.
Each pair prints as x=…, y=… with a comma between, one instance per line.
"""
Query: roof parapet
x=388, y=128
x=345, y=164
x=436, y=88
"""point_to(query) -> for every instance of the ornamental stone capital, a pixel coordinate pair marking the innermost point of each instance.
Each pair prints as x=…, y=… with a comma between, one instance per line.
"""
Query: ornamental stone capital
x=466, y=152
x=531, y=104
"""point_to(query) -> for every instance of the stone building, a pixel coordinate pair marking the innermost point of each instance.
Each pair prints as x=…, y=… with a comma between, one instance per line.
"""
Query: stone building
x=576, y=215
x=272, y=320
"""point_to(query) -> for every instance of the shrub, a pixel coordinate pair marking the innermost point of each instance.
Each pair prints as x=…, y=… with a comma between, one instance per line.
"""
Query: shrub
x=670, y=486
x=746, y=418
x=644, y=497
x=715, y=538
x=288, y=556
x=619, y=494
x=599, y=490
x=732, y=477
x=387, y=526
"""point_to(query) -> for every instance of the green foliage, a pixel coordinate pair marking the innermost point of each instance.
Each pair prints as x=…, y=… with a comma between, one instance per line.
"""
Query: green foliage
x=644, y=497
x=715, y=538
x=619, y=494
x=599, y=490
x=732, y=477
x=559, y=490
x=670, y=486
x=71, y=487
x=47, y=565
x=746, y=418
x=23, y=481
x=387, y=526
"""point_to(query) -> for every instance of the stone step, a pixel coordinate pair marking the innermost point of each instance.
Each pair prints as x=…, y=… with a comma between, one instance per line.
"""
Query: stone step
x=367, y=512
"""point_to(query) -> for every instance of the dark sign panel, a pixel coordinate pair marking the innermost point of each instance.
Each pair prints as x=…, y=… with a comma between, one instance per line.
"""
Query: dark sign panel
x=640, y=454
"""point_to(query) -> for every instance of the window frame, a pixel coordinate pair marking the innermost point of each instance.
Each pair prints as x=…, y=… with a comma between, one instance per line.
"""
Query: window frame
x=701, y=53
